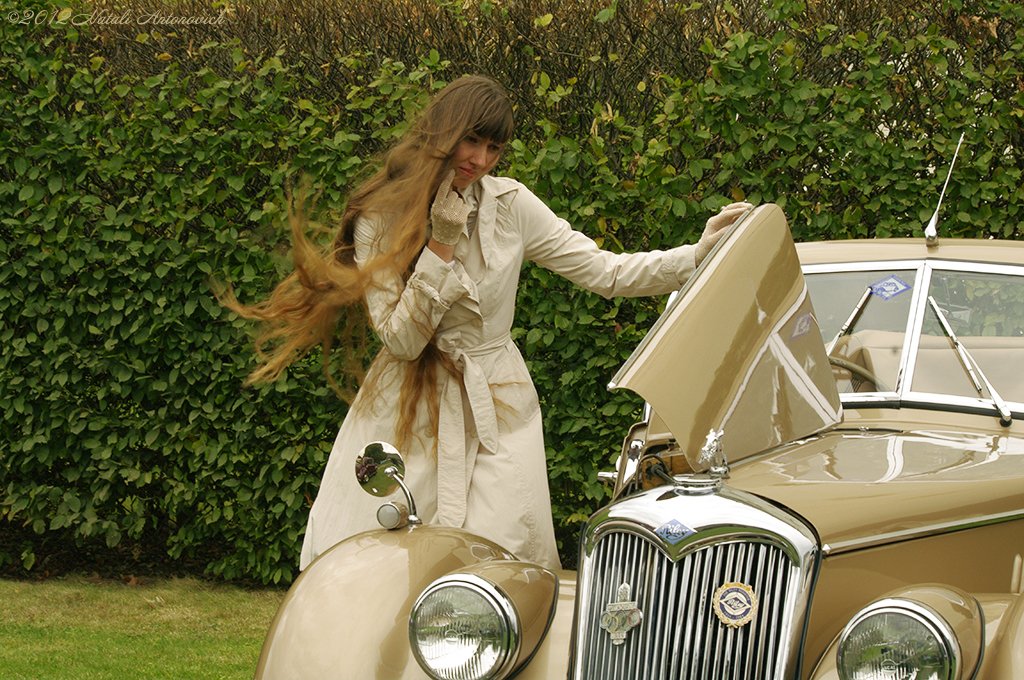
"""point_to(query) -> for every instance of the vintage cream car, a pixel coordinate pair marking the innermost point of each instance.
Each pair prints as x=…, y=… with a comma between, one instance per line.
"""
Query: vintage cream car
x=828, y=483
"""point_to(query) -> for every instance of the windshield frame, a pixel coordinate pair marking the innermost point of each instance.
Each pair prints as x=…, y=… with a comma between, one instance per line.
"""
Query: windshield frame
x=902, y=395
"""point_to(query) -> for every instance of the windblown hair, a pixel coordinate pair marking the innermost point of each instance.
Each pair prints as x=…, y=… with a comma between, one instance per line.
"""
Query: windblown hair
x=303, y=311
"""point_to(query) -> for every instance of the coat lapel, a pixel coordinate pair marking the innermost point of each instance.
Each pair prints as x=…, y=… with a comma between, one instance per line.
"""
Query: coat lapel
x=493, y=189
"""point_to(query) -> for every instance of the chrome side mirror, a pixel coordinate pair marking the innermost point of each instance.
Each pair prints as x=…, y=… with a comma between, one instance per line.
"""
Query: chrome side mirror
x=379, y=471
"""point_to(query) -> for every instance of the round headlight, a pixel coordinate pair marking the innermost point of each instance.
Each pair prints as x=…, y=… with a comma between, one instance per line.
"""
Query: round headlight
x=464, y=627
x=895, y=640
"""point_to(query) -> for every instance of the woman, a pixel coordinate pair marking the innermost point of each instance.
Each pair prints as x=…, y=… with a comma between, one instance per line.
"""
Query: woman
x=435, y=244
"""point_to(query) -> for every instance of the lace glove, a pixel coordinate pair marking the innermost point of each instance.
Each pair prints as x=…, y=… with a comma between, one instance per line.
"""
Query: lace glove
x=716, y=228
x=448, y=213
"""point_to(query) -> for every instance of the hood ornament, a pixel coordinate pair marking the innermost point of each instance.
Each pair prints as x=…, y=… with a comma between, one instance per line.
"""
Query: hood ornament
x=714, y=453
x=621, y=616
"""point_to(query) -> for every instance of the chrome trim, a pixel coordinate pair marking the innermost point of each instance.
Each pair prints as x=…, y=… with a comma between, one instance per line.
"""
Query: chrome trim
x=734, y=537
x=914, y=263
x=928, y=401
x=915, y=322
x=976, y=267
x=920, y=532
x=502, y=604
x=860, y=266
x=931, y=619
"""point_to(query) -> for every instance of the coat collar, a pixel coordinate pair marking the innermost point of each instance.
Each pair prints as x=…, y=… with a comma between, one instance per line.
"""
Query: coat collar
x=494, y=191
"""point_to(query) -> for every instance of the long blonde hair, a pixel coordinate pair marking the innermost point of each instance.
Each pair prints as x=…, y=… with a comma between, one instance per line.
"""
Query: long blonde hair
x=303, y=311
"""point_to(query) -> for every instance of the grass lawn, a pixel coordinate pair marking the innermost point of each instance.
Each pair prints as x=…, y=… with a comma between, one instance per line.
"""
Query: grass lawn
x=78, y=628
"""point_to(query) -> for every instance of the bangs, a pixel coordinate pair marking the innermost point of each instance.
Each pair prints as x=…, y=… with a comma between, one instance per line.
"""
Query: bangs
x=495, y=122
x=470, y=104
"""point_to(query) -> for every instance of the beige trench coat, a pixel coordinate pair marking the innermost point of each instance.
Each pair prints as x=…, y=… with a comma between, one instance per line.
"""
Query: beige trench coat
x=490, y=474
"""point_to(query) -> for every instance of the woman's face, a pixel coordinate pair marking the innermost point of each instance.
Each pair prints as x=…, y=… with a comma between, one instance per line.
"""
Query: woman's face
x=474, y=157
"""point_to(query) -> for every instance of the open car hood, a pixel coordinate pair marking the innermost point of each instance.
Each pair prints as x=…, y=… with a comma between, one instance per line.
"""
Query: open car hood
x=738, y=350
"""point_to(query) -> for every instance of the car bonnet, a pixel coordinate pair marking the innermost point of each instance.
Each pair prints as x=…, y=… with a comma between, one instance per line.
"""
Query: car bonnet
x=738, y=350
x=864, y=488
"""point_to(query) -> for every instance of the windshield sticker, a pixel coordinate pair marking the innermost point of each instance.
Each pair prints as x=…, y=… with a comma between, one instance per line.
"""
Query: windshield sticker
x=802, y=325
x=889, y=287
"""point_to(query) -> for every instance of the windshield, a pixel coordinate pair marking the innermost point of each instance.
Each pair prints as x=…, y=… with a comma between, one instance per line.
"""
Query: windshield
x=874, y=340
x=865, y=315
x=986, y=313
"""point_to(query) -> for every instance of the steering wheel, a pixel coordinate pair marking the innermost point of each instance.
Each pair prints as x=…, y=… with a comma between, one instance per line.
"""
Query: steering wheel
x=860, y=371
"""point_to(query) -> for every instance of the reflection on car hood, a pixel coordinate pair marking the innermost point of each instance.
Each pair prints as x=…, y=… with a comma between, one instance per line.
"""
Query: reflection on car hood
x=738, y=350
x=861, y=489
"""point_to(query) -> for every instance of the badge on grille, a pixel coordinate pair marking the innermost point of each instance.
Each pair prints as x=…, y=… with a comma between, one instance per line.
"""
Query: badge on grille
x=621, y=616
x=735, y=604
x=674, y=531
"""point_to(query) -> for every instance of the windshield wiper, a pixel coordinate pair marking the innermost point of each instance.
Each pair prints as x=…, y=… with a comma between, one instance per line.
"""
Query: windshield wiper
x=969, y=363
x=849, y=322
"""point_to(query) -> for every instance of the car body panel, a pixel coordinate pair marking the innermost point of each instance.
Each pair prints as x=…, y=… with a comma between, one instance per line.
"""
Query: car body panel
x=551, y=660
x=1001, y=644
x=849, y=581
x=347, y=615
x=865, y=488
x=771, y=383
x=1006, y=639
x=896, y=249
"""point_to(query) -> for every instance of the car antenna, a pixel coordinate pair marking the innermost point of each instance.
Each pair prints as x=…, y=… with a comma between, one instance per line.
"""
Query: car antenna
x=931, y=232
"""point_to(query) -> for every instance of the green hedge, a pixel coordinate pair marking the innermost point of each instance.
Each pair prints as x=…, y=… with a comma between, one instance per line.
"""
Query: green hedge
x=137, y=162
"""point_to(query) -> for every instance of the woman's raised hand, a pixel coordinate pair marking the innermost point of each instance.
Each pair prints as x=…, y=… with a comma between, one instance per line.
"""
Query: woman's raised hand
x=716, y=227
x=448, y=213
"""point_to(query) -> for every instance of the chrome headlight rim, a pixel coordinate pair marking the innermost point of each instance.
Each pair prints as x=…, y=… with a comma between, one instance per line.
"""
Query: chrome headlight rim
x=502, y=606
x=931, y=620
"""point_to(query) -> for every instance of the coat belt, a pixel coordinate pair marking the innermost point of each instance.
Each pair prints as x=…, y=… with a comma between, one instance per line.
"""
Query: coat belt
x=455, y=460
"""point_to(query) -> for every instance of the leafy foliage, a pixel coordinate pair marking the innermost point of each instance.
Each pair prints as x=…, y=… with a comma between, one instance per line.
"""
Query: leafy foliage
x=137, y=161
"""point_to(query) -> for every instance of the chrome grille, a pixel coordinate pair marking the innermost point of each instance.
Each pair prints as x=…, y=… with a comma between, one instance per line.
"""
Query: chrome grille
x=680, y=637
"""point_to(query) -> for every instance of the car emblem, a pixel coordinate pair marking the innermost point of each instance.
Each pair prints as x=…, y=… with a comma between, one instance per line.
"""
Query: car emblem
x=714, y=453
x=712, y=446
x=802, y=325
x=621, y=616
x=674, y=531
x=735, y=604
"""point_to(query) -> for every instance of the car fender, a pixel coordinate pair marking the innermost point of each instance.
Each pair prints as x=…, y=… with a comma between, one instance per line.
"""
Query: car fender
x=347, y=615
x=1004, y=656
x=993, y=646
